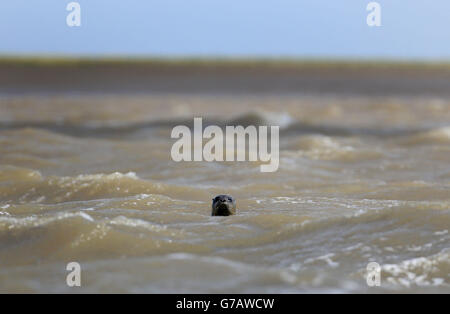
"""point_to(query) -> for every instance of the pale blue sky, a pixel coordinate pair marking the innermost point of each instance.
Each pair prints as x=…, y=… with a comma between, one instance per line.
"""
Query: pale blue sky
x=412, y=29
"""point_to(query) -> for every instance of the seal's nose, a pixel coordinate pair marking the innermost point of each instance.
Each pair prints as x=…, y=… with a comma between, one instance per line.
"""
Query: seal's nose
x=223, y=200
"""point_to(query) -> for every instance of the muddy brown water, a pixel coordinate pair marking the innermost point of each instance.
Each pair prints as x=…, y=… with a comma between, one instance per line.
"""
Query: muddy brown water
x=89, y=178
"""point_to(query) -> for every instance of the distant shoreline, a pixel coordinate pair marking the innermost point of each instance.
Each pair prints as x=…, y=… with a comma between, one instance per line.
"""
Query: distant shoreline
x=221, y=61
x=24, y=75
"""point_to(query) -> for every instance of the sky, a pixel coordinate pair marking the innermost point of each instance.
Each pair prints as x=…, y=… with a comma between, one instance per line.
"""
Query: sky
x=412, y=29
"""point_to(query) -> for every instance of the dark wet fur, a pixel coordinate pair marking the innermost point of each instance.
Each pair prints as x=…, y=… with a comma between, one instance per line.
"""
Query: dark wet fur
x=223, y=205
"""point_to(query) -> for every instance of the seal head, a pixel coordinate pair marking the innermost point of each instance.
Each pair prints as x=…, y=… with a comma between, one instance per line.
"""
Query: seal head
x=223, y=205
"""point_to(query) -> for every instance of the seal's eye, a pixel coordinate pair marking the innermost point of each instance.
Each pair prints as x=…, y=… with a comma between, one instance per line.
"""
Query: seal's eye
x=229, y=199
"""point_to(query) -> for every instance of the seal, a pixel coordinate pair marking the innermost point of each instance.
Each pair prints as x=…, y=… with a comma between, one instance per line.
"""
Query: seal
x=223, y=205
